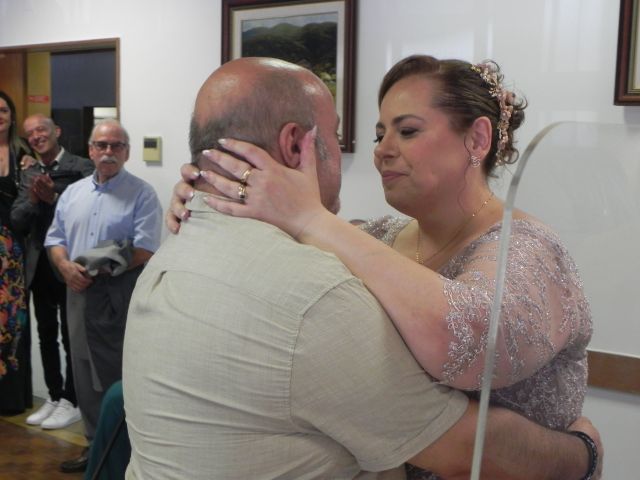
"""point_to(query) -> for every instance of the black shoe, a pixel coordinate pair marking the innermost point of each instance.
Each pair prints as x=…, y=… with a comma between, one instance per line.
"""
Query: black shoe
x=77, y=464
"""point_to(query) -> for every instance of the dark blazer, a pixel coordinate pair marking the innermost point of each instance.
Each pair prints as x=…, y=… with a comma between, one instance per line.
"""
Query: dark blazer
x=33, y=221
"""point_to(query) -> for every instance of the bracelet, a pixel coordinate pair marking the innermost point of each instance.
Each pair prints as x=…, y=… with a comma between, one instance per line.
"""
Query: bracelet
x=593, y=453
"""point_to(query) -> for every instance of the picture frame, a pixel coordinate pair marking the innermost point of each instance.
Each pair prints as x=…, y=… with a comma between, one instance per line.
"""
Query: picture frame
x=627, y=88
x=286, y=30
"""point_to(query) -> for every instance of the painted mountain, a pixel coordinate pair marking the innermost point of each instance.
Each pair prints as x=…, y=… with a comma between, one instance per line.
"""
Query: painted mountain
x=313, y=46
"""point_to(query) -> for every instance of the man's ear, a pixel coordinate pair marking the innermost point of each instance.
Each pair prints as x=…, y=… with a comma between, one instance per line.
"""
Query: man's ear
x=479, y=137
x=58, y=131
x=289, y=142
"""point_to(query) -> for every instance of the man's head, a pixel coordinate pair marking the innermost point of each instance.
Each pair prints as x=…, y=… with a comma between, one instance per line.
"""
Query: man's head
x=42, y=135
x=108, y=148
x=271, y=103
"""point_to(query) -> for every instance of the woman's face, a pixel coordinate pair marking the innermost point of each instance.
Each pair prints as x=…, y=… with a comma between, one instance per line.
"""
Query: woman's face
x=5, y=117
x=421, y=159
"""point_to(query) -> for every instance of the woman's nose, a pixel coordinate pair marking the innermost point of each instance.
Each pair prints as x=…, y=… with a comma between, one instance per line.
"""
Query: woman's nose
x=385, y=148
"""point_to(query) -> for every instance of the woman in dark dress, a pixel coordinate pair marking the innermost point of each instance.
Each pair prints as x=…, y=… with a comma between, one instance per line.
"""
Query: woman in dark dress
x=15, y=365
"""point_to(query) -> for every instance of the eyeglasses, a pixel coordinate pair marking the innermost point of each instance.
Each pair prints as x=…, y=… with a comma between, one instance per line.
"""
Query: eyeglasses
x=103, y=146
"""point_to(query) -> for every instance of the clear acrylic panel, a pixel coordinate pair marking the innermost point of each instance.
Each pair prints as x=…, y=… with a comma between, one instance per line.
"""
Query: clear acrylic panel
x=583, y=180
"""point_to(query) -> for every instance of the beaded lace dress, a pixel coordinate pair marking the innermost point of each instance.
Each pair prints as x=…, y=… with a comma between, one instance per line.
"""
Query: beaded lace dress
x=545, y=322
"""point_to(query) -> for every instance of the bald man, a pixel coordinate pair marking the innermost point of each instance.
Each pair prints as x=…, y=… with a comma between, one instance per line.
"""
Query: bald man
x=31, y=214
x=265, y=358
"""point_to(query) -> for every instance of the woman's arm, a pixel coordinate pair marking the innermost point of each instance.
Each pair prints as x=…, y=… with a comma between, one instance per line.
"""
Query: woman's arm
x=444, y=322
x=290, y=199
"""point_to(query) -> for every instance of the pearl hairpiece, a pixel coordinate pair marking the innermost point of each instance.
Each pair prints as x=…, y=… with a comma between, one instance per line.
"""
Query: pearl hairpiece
x=505, y=99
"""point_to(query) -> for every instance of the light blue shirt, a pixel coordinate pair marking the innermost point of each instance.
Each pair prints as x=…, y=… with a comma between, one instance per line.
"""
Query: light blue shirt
x=124, y=208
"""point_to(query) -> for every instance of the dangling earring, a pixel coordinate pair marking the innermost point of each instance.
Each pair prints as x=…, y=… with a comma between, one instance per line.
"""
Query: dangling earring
x=475, y=161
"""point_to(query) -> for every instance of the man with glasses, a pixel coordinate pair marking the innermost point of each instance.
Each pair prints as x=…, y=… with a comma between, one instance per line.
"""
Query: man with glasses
x=31, y=215
x=104, y=230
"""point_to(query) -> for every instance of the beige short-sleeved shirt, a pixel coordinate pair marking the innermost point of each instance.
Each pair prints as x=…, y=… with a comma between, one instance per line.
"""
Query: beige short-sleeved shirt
x=248, y=355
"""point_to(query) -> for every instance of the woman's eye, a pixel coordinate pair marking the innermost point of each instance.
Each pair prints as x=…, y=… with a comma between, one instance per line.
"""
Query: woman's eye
x=407, y=132
x=378, y=138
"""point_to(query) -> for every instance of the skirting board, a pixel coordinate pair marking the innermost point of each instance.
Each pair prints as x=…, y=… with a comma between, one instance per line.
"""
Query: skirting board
x=614, y=372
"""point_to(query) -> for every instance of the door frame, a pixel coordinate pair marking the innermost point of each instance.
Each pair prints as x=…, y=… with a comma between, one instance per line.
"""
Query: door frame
x=63, y=47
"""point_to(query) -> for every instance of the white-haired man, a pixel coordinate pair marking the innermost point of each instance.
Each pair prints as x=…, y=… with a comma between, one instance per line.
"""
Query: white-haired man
x=104, y=230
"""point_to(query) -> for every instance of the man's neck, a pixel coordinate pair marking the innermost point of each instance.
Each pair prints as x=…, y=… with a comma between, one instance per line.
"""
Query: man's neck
x=48, y=157
x=204, y=186
x=101, y=179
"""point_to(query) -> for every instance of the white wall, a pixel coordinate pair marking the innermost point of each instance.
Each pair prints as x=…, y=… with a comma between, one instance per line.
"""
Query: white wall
x=559, y=53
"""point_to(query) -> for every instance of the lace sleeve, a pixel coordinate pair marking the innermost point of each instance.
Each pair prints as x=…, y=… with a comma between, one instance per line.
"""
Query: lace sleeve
x=543, y=308
x=385, y=228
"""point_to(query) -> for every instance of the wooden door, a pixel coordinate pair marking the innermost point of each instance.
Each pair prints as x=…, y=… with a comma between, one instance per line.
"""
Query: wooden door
x=13, y=81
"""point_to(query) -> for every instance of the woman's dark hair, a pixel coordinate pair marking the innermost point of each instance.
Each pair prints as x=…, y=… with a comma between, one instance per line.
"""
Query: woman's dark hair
x=15, y=142
x=465, y=95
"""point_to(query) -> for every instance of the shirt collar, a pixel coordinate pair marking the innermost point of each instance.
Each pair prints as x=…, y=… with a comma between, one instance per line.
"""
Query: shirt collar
x=56, y=161
x=117, y=179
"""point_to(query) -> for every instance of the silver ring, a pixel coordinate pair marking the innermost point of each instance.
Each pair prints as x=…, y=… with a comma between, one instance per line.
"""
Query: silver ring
x=245, y=176
x=242, y=191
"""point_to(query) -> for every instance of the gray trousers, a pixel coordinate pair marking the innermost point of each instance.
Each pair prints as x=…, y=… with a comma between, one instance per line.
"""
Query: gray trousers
x=96, y=320
x=89, y=391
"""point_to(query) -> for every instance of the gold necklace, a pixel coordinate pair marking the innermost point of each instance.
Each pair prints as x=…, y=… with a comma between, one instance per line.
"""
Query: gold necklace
x=464, y=224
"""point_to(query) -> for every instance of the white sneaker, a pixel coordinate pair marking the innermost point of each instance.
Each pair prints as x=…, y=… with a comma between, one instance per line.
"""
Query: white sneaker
x=40, y=415
x=64, y=415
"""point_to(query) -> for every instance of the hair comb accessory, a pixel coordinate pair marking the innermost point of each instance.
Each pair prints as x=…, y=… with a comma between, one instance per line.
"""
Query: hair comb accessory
x=488, y=73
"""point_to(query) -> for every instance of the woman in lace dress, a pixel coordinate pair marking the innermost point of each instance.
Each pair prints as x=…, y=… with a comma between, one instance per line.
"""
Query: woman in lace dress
x=445, y=126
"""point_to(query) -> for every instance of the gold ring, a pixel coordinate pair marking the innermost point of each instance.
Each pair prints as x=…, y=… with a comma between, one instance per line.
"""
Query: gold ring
x=245, y=176
x=242, y=191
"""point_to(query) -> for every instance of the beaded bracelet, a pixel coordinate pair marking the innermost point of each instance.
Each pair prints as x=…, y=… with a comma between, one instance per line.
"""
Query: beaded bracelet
x=593, y=453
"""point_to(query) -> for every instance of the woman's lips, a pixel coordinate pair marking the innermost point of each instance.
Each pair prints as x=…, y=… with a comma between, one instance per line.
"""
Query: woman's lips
x=390, y=176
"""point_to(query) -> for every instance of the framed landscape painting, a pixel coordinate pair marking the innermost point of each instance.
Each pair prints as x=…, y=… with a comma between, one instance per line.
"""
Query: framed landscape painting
x=318, y=35
x=628, y=64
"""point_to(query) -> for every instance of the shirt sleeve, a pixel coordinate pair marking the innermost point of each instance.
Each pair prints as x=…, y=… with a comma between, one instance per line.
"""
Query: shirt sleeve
x=354, y=380
x=147, y=222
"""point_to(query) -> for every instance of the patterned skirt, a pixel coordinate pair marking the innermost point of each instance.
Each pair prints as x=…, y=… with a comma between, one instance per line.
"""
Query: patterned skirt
x=13, y=307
